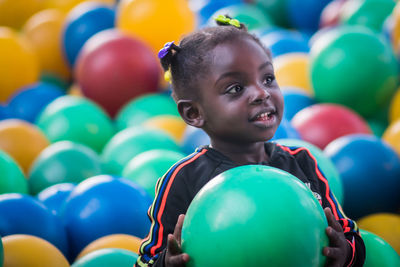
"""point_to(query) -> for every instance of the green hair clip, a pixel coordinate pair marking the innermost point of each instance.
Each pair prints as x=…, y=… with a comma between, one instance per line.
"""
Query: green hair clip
x=227, y=21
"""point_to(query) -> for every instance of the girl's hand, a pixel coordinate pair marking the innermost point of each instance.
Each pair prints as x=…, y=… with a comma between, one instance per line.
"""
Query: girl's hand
x=174, y=256
x=339, y=249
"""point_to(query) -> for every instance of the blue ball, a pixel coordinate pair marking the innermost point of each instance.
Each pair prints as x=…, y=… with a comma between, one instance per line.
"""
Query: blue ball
x=53, y=197
x=304, y=15
x=370, y=172
x=193, y=138
x=284, y=41
x=82, y=22
x=295, y=100
x=23, y=214
x=104, y=205
x=5, y=112
x=286, y=130
x=29, y=102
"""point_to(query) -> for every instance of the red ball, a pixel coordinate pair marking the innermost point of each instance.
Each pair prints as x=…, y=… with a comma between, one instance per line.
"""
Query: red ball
x=113, y=68
x=320, y=124
x=330, y=15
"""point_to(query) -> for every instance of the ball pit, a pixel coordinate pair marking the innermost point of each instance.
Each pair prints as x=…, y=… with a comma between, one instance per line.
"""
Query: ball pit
x=12, y=179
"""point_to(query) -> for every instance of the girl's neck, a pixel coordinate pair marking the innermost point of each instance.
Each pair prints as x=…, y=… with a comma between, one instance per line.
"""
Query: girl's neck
x=242, y=153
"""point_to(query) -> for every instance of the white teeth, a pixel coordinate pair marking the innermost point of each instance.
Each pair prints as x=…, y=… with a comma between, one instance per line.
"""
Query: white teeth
x=263, y=115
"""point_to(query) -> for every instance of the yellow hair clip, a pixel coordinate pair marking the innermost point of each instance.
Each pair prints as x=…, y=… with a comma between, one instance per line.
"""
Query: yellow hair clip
x=227, y=21
x=167, y=76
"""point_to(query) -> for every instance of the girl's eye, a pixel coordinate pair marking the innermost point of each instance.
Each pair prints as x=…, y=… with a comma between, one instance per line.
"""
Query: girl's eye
x=268, y=80
x=234, y=89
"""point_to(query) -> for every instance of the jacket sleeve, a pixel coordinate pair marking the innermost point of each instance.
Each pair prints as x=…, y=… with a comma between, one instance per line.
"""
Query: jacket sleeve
x=172, y=199
x=349, y=226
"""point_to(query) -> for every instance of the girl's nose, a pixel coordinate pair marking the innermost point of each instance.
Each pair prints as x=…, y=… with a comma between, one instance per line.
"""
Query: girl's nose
x=259, y=94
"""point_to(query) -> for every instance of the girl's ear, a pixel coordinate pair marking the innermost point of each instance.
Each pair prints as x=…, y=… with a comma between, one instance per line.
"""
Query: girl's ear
x=191, y=112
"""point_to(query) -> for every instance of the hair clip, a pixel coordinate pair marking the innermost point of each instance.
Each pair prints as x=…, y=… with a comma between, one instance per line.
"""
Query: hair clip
x=167, y=76
x=165, y=50
x=227, y=21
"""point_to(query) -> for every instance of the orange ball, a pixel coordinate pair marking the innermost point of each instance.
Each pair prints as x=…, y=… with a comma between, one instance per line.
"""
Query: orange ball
x=43, y=30
x=392, y=136
x=66, y=5
x=156, y=22
x=292, y=70
x=172, y=125
x=31, y=251
x=394, y=109
x=23, y=141
x=124, y=241
x=14, y=13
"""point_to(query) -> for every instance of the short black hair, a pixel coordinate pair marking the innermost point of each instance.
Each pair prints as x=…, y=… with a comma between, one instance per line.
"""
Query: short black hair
x=188, y=62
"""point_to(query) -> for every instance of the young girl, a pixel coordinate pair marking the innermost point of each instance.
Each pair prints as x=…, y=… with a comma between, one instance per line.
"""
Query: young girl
x=223, y=82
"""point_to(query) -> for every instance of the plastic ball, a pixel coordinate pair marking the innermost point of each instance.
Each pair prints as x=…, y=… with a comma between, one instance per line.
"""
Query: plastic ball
x=23, y=214
x=66, y=5
x=371, y=13
x=276, y=10
x=330, y=15
x=320, y=124
x=396, y=28
x=76, y=119
x=286, y=130
x=130, y=142
x=43, y=30
x=369, y=169
x=379, y=252
x=250, y=15
x=385, y=225
x=292, y=70
x=63, y=162
x=231, y=209
x=22, y=140
x=122, y=241
x=194, y=138
x=5, y=112
x=324, y=163
x=27, y=103
x=295, y=99
x=104, y=205
x=285, y=41
x=114, y=68
x=143, y=108
x=55, y=80
x=172, y=125
x=392, y=136
x=354, y=52
x=15, y=13
x=32, y=251
x=308, y=18
x=156, y=22
x=12, y=179
x=53, y=197
x=147, y=167
x=107, y=257
x=205, y=9
x=22, y=63
x=81, y=23
x=394, y=107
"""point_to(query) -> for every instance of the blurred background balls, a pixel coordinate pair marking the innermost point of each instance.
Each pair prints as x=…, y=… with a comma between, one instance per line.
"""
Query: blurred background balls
x=13, y=179
x=113, y=68
x=107, y=257
x=54, y=196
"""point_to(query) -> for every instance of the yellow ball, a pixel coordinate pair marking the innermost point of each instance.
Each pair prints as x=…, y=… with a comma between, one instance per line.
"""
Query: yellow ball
x=31, y=251
x=292, y=70
x=154, y=21
x=23, y=141
x=67, y=5
x=44, y=31
x=172, y=125
x=14, y=13
x=392, y=136
x=394, y=109
x=384, y=225
x=124, y=241
x=19, y=65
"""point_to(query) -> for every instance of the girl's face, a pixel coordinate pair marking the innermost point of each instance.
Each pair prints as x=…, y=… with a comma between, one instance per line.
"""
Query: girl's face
x=241, y=100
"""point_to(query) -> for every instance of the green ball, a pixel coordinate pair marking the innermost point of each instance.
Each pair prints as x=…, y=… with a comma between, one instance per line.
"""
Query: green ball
x=12, y=178
x=250, y=15
x=145, y=168
x=107, y=257
x=63, y=162
x=129, y=143
x=369, y=13
x=379, y=252
x=255, y=215
x=144, y=107
x=277, y=10
x=325, y=163
x=76, y=119
x=354, y=67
